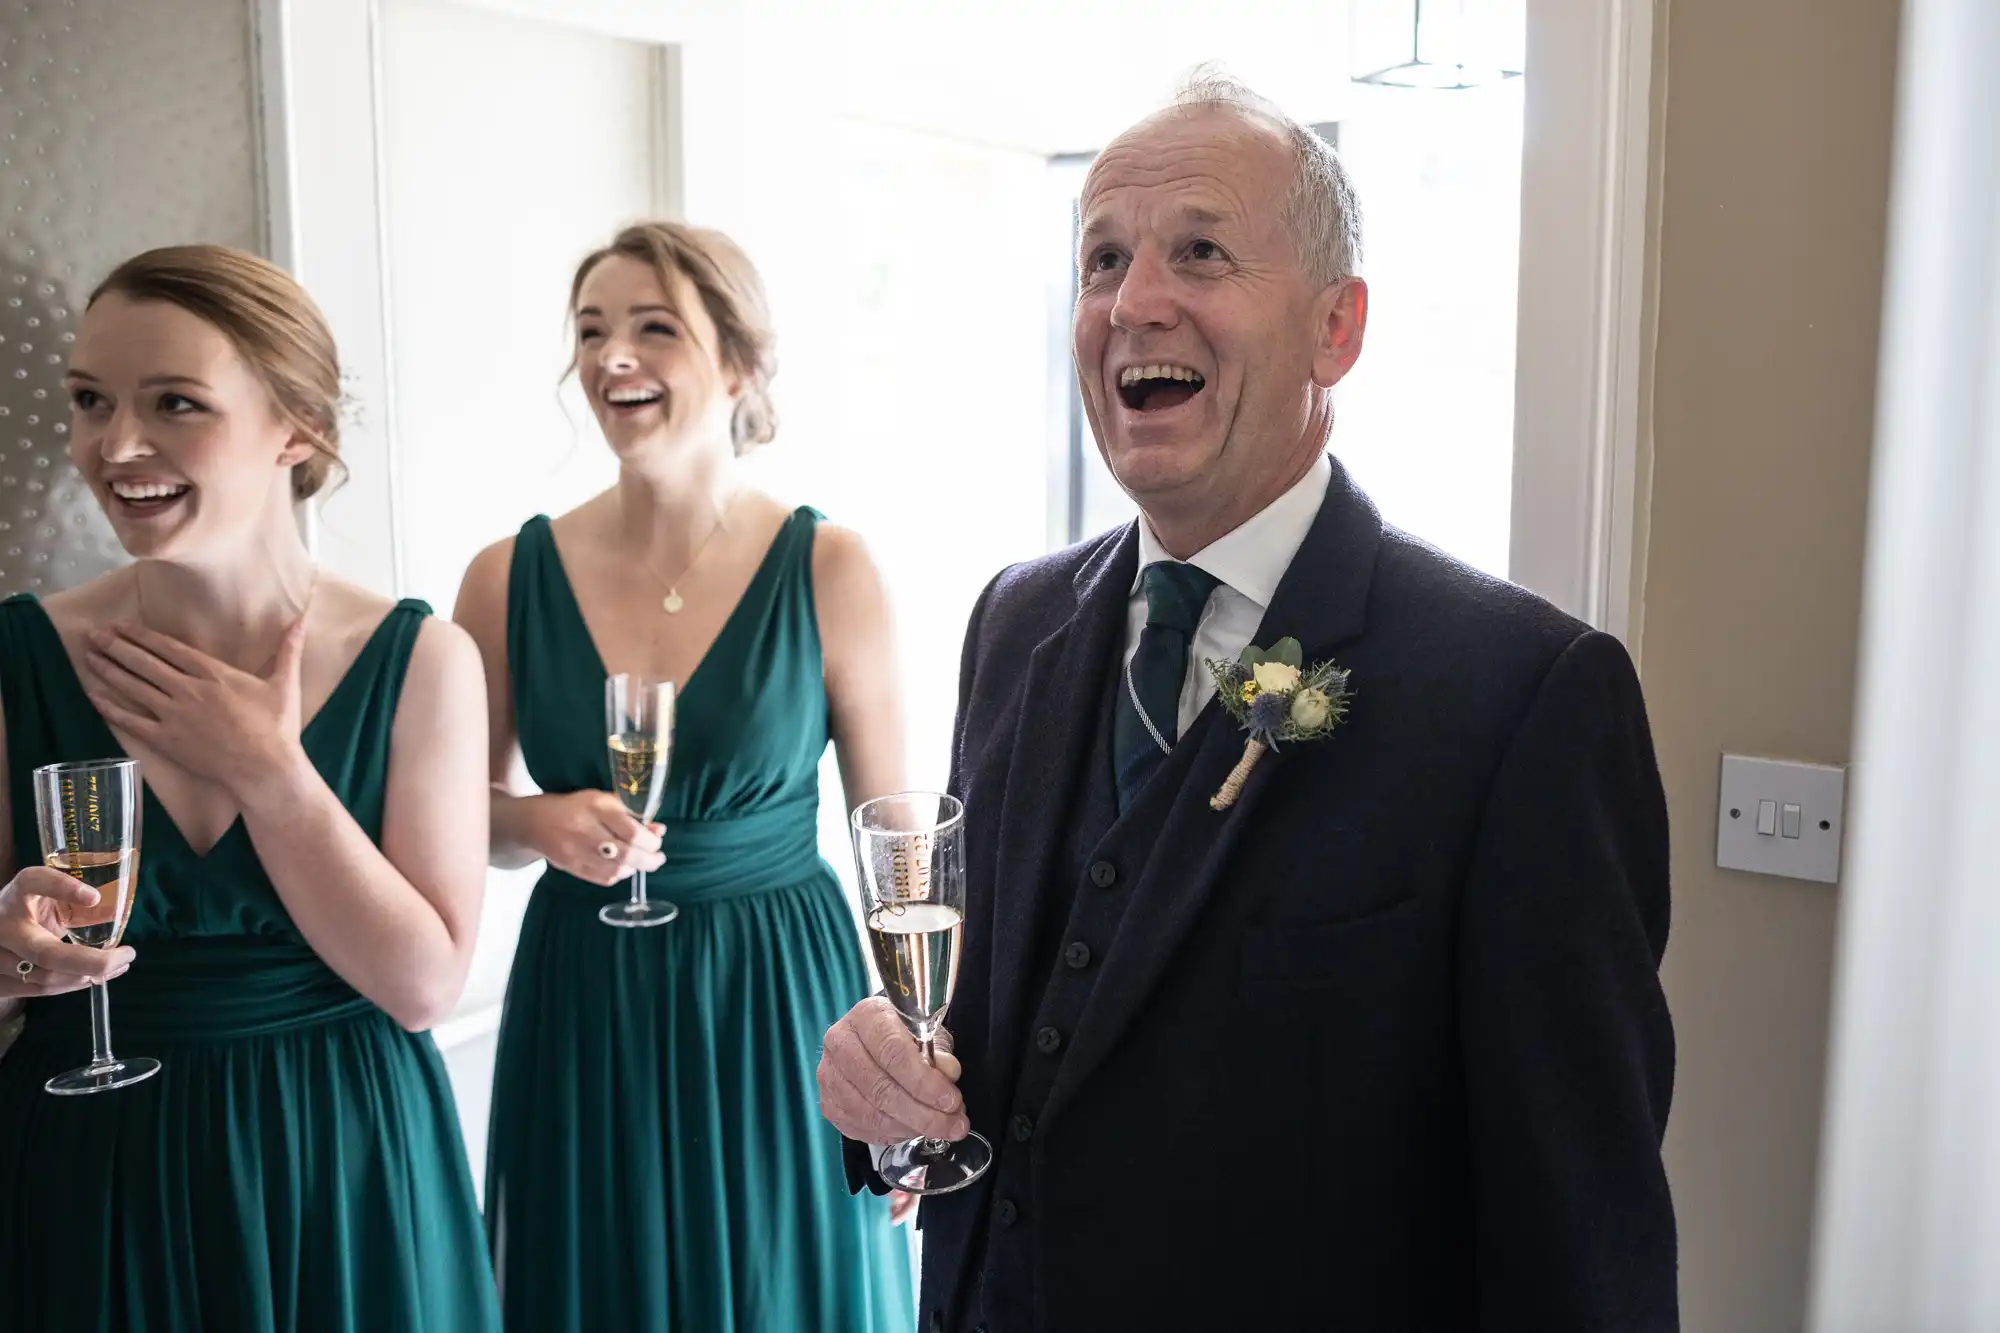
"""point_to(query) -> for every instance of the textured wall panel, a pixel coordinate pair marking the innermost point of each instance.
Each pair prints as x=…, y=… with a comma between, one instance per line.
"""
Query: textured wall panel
x=124, y=124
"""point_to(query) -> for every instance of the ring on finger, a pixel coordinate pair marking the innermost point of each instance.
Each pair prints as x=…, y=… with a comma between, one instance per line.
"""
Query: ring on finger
x=25, y=968
x=607, y=850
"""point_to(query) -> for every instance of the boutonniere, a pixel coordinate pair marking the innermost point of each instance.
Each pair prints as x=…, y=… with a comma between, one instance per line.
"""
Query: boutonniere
x=1277, y=701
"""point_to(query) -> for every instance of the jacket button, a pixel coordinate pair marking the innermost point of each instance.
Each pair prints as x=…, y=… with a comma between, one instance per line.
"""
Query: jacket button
x=1023, y=1128
x=1077, y=955
x=1048, y=1041
x=1103, y=874
x=1006, y=1213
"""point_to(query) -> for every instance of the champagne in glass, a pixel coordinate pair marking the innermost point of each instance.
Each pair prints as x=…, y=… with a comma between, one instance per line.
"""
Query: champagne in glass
x=909, y=850
x=114, y=875
x=639, y=727
x=88, y=814
x=916, y=952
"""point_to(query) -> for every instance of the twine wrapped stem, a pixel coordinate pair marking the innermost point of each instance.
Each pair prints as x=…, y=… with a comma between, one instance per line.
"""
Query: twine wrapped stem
x=1232, y=786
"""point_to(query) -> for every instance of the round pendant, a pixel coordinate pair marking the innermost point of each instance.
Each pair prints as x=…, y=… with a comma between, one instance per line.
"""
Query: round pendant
x=672, y=603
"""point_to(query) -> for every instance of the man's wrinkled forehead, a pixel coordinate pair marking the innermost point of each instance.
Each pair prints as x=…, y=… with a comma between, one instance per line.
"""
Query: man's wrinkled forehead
x=1185, y=168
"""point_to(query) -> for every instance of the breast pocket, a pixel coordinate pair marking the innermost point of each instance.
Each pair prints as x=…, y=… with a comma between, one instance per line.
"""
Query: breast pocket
x=1342, y=949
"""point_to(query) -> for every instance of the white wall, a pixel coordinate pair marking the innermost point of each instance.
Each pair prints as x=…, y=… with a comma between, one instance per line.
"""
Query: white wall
x=480, y=112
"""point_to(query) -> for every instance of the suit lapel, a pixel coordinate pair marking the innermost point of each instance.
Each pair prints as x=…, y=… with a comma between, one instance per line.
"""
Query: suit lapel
x=1322, y=602
x=1053, y=742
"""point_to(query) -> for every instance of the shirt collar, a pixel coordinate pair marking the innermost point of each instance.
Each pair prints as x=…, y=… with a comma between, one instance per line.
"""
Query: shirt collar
x=1255, y=555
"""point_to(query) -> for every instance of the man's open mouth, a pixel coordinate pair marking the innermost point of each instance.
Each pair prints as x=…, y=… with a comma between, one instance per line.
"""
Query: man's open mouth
x=1156, y=388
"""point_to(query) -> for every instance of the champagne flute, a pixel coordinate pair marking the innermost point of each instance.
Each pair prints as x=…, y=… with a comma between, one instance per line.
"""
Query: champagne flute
x=89, y=818
x=639, y=726
x=909, y=850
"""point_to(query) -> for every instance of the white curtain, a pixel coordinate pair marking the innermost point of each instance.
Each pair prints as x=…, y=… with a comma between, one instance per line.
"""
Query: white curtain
x=1909, y=1224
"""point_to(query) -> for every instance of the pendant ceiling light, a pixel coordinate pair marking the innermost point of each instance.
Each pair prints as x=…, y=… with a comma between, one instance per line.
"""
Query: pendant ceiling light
x=1437, y=43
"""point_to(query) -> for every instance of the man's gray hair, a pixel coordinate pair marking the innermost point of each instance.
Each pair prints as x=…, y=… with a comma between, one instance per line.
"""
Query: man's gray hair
x=1320, y=208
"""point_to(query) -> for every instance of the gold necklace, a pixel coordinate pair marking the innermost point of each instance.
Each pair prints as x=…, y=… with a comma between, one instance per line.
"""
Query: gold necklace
x=673, y=601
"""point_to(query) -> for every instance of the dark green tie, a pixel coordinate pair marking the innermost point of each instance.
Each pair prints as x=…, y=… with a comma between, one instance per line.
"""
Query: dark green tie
x=1151, y=689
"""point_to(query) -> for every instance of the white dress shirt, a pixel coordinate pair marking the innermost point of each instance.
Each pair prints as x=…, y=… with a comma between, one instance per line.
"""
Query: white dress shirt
x=1249, y=561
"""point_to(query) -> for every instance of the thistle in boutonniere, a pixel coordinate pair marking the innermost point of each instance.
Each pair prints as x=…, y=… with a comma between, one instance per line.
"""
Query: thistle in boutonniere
x=1277, y=701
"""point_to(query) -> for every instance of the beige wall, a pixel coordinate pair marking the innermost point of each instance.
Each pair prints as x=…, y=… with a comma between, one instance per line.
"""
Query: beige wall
x=1772, y=188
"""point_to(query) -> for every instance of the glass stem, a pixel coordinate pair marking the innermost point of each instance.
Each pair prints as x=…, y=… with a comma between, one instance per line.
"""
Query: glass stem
x=638, y=888
x=100, y=1028
x=927, y=1043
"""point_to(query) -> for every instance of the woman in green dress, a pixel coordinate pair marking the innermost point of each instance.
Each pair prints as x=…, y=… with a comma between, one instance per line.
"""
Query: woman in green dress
x=312, y=863
x=657, y=1162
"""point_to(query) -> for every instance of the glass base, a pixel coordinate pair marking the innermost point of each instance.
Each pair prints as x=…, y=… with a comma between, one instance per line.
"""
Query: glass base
x=652, y=912
x=934, y=1166
x=103, y=1078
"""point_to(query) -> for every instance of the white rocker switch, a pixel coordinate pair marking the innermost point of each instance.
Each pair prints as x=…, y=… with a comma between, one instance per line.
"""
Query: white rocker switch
x=1780, y=818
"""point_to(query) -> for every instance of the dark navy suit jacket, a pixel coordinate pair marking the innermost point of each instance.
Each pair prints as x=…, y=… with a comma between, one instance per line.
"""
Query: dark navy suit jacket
x=1381, y=1048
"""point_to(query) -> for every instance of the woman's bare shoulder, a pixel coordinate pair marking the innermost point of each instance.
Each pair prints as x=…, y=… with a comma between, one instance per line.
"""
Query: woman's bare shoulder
x=590, y=524
x=345, y=613
x=348, y=616
x=88, y=606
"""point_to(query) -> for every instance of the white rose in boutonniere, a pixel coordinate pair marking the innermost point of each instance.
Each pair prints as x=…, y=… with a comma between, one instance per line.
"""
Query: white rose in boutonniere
x=1310, y=709
x=1275, y=700
x=1275, y=676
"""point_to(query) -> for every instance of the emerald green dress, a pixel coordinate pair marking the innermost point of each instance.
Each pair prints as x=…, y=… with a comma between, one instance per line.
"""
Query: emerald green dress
x=296, y=1165
x=657, y=1161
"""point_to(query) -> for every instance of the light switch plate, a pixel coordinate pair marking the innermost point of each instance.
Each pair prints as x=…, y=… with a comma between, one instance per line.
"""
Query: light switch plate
x=1820, y=793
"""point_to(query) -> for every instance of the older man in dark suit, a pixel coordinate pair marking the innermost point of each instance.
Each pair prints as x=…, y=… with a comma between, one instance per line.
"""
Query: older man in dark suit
x=1381, y=1046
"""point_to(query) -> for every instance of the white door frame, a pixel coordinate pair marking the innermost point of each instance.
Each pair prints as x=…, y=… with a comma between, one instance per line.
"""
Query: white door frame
x=320, y=167
x=1581, y=342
